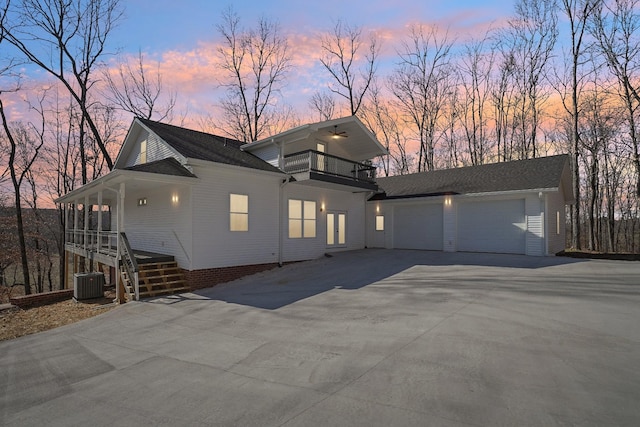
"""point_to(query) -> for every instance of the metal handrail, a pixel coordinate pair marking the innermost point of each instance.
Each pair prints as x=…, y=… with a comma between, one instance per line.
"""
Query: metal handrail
x=316, y=161
x=130, y=264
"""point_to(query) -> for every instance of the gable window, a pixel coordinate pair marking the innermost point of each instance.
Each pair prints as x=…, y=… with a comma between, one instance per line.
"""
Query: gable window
x=143, y=152
x=302, y=219
x=379, y=222
x=238, y=212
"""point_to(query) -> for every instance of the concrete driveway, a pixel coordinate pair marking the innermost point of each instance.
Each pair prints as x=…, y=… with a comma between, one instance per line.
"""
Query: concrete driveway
x=370, y=338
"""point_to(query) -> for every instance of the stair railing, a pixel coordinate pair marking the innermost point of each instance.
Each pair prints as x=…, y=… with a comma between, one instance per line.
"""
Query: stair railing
x=130, y=264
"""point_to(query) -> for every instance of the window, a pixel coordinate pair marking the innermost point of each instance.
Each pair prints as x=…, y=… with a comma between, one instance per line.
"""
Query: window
x=379, y=222
x=302, y=219
x=238, y=212
x=557, y=222
x=143, y=152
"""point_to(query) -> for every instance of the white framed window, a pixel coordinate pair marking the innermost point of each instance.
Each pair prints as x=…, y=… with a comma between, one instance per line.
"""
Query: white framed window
x=379, y=222
x=302, y=219
x=238, y=212
x=557, y=222
x=143, y=152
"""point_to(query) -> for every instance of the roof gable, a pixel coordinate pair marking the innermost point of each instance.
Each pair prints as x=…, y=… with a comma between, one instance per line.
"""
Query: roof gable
x=520, y=175
x=204, y=146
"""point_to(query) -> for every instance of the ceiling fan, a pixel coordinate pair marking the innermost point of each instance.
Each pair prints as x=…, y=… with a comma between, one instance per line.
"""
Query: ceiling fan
x=336, y=135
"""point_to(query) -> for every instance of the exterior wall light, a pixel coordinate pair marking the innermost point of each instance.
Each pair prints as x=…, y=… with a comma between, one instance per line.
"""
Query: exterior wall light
x=142, y=201
x=175, y=199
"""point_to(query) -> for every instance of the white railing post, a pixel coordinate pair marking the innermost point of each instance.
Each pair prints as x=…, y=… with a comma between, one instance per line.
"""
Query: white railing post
x=136, y=285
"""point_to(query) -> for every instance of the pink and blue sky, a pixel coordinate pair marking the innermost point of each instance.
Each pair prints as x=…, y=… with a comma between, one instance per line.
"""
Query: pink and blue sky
x=182, y=36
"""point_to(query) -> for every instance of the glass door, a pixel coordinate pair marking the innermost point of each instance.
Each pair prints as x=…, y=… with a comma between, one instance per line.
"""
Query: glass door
x=336, y=229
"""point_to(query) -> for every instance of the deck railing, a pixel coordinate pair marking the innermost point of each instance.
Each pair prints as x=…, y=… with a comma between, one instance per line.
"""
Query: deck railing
x=315, y=161
x=129, y=263
x=102, y=242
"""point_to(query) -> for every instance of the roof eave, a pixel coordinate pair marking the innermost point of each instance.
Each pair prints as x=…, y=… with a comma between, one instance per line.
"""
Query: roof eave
x=207, y=163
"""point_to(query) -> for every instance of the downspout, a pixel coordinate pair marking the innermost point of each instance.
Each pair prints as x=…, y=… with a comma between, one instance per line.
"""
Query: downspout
x=280, y=219
x=369, y=194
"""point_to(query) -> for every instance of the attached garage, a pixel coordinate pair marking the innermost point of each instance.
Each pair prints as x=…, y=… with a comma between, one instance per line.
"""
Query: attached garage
x=508, y=207
x=492, y=226
x=418, y=226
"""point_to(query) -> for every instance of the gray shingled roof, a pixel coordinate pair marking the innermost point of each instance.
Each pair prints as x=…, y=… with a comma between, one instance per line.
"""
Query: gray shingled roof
x=532, y=174
x=168, y=166
x=205, y=146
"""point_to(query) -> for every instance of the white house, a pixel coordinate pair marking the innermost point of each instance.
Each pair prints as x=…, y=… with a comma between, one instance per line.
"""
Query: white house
x=221, y=209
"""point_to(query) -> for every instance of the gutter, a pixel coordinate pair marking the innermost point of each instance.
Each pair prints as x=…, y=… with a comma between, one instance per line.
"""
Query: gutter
x=280, y=216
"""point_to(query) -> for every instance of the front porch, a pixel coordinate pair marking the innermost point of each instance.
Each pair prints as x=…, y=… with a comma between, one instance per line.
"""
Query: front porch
x=95, y=238
x=136, y=274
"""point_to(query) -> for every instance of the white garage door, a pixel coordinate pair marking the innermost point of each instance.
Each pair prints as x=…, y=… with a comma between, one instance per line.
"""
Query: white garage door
x=418, y=227
x=497, y=226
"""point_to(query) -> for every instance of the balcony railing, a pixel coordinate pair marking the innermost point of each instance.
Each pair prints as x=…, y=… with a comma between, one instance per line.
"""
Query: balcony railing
x=315, y=161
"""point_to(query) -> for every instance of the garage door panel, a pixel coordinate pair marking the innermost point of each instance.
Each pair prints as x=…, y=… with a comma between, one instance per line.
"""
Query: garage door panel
x=418, y=227
x=492, y=226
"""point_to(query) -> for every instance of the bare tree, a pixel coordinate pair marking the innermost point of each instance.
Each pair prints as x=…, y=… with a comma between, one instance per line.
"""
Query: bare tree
x=505, y=98
x=66, y=39
x=616, y=25
x=324, y=104
x=420, y=84
x=255, y=62
x=531, y=37
x=23, y=152
x=351, y=72
x=578, y=13
x=474, y=74
x=133, y=89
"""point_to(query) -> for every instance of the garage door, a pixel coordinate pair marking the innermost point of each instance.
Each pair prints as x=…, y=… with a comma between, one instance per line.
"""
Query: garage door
x=418, y=227
x=496, y=226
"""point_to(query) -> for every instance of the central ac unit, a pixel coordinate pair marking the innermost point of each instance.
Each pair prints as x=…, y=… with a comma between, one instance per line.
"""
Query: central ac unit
x=88, y=286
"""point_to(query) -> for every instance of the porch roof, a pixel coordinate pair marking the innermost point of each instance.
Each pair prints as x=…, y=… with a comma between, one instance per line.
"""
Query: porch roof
x=350, y=132
x=154, y=176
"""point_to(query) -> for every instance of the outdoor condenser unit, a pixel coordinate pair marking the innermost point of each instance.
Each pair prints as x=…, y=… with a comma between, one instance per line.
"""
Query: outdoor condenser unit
x=88, y=285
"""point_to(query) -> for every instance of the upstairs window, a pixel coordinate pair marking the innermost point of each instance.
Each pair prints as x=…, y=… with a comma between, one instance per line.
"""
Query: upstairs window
x=238, y=212
x=143, y=152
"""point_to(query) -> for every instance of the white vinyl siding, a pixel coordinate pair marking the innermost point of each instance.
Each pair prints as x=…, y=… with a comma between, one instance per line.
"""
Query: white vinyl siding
x=149, y=148
x=535, y=227
x=492, y=226
x=269, y=153
x=555, y=209
x=214, y=245
x=161, y=225
x=418, y=226
x=353, y=204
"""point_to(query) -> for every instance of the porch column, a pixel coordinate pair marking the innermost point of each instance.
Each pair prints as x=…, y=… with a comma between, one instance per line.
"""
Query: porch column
x=75, y=221
x=67, y=239
x=99, y=231
x=119, y=229
x=86, y=222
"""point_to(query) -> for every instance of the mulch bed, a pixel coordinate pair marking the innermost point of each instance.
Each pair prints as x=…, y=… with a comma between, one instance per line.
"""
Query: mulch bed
x=600, y=255
x=16, y=322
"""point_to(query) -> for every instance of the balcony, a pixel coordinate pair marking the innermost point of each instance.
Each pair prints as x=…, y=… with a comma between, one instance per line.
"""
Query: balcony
x=314, y=165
